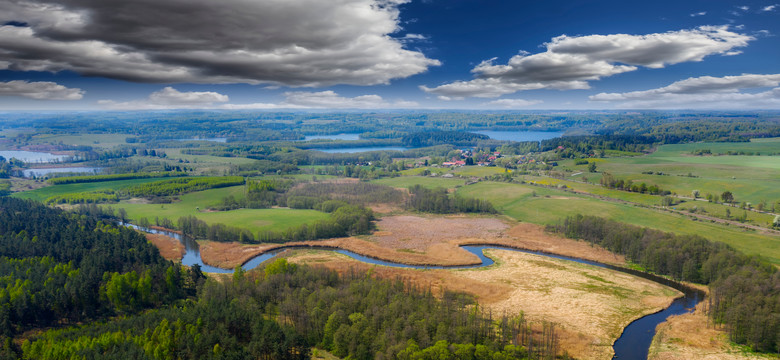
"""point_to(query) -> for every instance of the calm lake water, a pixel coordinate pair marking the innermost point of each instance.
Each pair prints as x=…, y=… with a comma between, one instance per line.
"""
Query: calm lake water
x=33, y=156
x=363, y=149
x=521, y=135
x=46, y=171
x=348, y=137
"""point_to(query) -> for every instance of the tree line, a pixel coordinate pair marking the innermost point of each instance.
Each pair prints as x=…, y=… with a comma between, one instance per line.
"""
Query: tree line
x=180, y=186
x=286, y=310
x=439, y=201
x=111, y=177
x=64, y=268
x=744, y=291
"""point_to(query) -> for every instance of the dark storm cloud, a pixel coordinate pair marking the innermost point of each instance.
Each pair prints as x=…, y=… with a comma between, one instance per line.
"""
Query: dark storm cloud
x=290, y=42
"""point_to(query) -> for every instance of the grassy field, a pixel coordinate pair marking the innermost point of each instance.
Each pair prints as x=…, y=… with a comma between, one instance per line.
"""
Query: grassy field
x=48, y=191
x=717, y=210
x=94, y=140
x=426, y=181
x=175, y=154
x=193, y=204
x=749, y=178
x=551, y=205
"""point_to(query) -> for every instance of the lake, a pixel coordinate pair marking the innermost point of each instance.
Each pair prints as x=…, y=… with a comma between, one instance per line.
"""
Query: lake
x=348, y=137
x=33, y=156
x=363, y=149
x=520, y=135
x=46, y=171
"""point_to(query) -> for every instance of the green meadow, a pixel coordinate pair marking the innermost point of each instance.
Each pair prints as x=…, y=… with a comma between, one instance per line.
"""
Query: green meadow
x=750, y=178
x=426, y=181
x=48, y=191
x=275, y=219
x=717, y=210
x=551, y=205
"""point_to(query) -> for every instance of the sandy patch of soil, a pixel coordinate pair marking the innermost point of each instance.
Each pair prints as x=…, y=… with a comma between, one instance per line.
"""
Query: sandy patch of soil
x=691, y=336
x=170, y=248
x=136, y=200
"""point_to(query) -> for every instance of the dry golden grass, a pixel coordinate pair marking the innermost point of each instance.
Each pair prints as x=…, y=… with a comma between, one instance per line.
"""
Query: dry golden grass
x=595, y=303
x=425, y=240
x=170, y=248
x=691, y=336
x=592, y=305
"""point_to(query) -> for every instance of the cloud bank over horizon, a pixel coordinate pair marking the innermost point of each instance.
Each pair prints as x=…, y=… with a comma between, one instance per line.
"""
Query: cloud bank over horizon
x=571, y=62
x=728, y=92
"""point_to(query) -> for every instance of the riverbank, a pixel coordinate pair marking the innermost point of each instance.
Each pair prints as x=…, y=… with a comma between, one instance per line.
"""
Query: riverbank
x=590, y=305
x=693, y=336
x=425, y=240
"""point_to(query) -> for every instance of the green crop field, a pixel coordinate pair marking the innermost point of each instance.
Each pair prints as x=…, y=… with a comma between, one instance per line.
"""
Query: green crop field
x=718, y=210
x=426, y=181
x=45, y=192
x=195, y=204
x=749, y=178
x=175, y=154
x=478, y=171
x=551, y=205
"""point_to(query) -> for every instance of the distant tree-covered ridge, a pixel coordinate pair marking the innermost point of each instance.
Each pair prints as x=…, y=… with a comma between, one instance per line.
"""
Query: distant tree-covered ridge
x=744, y=291
x=430, y=138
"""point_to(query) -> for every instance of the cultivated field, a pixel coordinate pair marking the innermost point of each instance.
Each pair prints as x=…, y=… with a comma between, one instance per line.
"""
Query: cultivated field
x=551, y=205
x=48, y=191
x=275, y=219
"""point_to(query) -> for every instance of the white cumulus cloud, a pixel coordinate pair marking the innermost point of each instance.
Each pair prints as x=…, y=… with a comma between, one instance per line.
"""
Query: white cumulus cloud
x=170, y=98
x=704, y=92
x=40, y=90
x=299, y=43
x=512, y=103
x=570, y=62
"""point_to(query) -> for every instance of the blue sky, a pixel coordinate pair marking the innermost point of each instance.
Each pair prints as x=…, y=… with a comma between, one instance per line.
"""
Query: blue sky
x=389, y=54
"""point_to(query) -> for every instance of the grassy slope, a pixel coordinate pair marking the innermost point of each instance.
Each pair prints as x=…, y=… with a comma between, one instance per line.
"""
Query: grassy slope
x=251, y=219
x=718, y=210
x=750, y=178
x=551, y=205
x=428, y=182
x=45, y=192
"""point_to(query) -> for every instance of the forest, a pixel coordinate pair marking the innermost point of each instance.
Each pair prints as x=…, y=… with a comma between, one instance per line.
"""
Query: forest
x=744, y=291
x=62, y=268
x=65, y=268
x=439, y=201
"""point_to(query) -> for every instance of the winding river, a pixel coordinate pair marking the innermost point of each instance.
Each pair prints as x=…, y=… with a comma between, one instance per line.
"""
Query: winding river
x=634, y=343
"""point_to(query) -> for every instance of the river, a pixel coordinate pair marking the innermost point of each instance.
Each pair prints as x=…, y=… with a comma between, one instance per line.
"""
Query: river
x=634, y=343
